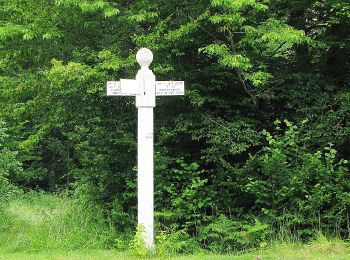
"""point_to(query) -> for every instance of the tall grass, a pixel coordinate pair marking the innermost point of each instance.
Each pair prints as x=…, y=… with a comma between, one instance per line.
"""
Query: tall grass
x=42, y=226
x=35, y=222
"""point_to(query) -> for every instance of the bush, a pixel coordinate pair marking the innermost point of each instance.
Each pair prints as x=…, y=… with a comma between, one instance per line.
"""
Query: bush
x=172, y=242
x=225, y=235
x=8, y=165
x=181, y=195
x=295, y=187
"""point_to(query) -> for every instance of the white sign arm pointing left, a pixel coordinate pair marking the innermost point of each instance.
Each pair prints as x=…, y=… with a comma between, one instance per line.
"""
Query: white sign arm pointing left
x=124, y=87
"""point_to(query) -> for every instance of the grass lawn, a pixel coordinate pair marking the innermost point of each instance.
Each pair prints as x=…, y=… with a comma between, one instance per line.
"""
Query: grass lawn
x=317, y=250
x=39, y=226
x=335, y=250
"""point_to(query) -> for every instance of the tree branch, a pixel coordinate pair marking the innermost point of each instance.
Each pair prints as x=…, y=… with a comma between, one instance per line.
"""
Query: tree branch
x=239, y=73
x=277, y=49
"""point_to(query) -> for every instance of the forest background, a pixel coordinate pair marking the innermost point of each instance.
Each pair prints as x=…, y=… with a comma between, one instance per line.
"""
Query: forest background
x=259, y=145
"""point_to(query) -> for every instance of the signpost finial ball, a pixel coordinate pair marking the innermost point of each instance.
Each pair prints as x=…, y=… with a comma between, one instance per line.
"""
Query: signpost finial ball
x=144, y=57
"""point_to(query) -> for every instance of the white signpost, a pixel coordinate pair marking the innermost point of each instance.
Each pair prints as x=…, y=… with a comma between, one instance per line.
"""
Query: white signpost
x=145, y=88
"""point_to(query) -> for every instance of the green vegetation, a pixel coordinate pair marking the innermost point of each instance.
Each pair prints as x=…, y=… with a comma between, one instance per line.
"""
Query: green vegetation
x=326, y=251
x=35, y=222
x=43, y=226
x=258, y=148
x=8, y=165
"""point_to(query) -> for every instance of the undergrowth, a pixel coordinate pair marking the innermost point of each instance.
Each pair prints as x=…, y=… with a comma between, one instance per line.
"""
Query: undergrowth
x=39, y=222
x=35, y=224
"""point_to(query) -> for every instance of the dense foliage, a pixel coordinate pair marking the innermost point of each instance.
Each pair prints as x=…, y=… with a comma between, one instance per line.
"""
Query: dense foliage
x=9, y=165
x=221, y=150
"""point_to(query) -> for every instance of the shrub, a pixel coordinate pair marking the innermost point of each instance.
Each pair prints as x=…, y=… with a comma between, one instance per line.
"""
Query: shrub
x=295, y=187
x=225, y=235
x=8, y=165
x=172, y=242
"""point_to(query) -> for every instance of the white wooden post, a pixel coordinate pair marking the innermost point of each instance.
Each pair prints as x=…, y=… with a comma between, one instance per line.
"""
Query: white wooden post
x=145, y=88
x=145, y=102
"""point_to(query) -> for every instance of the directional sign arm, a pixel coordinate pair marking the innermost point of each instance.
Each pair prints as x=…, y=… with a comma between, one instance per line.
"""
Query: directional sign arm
x=113, y=88
x=129, y=87
x=124, y=87
x=170, y=88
